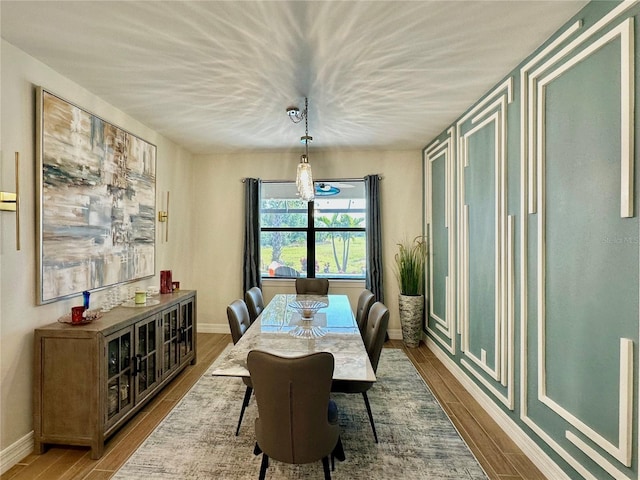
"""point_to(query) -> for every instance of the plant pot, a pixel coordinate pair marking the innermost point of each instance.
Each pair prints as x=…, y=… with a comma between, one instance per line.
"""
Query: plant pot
x=411, y=316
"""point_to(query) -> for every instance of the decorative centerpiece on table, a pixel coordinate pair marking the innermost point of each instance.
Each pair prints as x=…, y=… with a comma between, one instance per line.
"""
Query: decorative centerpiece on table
x=307, y=310
x=410, y=270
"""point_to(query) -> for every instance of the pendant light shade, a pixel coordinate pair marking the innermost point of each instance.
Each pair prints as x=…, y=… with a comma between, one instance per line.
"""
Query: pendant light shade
x=304, y=179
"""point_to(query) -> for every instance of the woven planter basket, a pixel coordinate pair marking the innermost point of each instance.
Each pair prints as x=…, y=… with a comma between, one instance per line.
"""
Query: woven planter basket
x=411, y=315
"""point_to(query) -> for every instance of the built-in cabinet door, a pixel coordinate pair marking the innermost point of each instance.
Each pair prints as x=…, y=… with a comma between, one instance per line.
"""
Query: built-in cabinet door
x=187, y=334
x=170, y=339
x=119, y=375
x=146, y=369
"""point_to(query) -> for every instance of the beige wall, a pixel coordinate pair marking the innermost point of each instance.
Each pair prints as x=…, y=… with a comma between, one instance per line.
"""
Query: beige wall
x=19, y=314
x=219, y=205
x=206, y=226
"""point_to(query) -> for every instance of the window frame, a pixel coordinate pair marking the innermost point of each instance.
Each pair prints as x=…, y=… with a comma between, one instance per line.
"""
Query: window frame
x=310, y=230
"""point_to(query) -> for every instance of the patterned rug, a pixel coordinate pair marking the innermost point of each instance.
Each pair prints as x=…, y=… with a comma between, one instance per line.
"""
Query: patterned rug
x=417, y=440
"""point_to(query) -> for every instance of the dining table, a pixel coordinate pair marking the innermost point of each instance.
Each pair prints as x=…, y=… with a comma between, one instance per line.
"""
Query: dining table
x=282, y=330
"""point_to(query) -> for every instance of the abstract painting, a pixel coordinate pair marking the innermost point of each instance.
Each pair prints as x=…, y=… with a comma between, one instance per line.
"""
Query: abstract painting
x=97, y=188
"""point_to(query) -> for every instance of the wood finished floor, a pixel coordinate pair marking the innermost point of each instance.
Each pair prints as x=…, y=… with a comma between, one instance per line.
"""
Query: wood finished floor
x=498, y=455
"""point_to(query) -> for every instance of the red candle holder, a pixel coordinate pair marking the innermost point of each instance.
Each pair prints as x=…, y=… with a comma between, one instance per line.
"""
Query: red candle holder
x=76, y=314
x=166, y=285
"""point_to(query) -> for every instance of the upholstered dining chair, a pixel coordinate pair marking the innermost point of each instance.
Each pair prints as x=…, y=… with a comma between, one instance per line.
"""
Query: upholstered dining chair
x=375, y=331
x=255, y=302
x=239, y=322
x=285, y=271
x=365, y=301
x=312, y=286
x=293, y=424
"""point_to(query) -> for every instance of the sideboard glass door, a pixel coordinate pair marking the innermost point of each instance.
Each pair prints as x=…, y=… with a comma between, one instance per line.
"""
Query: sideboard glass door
x=119, y=375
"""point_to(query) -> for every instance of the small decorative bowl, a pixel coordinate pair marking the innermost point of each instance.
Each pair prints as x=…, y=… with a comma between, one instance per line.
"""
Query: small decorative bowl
x=87, y=317
x=307, y=308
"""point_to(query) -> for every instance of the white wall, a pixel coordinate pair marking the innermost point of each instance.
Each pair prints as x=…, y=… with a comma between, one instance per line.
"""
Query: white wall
x=19, y=314
x=219, y=208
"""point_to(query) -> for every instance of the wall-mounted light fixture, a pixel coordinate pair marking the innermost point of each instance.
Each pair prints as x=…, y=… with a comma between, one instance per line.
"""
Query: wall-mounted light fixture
x=10, y=201
x=163, y=217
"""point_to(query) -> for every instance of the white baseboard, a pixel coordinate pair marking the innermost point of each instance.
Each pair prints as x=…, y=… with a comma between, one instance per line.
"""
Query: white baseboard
x=395, y=333
x=16, y=452
x=213, y=328
x=531, y=449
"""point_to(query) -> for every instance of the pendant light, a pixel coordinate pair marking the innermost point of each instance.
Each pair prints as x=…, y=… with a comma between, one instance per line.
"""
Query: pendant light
x=304, y=176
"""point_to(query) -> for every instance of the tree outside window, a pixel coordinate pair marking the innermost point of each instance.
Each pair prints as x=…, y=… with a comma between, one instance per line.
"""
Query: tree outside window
x=328, y=233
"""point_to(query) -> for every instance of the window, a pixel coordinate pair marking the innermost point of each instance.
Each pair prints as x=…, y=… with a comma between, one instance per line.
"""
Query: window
x=324, y=238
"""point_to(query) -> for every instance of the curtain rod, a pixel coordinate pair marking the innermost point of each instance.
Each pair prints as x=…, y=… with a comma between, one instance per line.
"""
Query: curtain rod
x=380, y=177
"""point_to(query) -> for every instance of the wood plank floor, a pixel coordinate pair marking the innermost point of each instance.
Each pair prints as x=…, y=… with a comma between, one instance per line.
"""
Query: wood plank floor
x=498, y=455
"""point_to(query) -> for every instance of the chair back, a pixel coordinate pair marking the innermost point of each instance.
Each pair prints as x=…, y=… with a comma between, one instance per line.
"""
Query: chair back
x=255, y=302
x=292, y=394
x=365, y=301
x=375, y=331
x=285, y=271
x=239, y=320
x=312, y=286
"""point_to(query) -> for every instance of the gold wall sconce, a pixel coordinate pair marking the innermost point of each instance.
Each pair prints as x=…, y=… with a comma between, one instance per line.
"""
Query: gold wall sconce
x=10, y=201
x=163, y=217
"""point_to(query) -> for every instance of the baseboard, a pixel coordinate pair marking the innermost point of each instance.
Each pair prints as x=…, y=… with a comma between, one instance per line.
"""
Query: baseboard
x=395, y=333
x=213, y=328
x=531, y=449
x=16, y=452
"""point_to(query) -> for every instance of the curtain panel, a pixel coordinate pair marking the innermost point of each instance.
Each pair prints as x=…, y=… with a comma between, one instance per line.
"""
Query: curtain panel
x=373, y=280
x=251, y=258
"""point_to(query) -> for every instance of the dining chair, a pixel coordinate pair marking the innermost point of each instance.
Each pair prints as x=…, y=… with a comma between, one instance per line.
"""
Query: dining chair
x=255, y=302
x=293, y=424
x=365, y=301
x=285, y=271
x=239, y=322
x=312, y=286
x=375, y=331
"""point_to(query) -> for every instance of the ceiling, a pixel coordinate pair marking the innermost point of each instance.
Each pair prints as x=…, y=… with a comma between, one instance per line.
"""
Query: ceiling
x=218, y=76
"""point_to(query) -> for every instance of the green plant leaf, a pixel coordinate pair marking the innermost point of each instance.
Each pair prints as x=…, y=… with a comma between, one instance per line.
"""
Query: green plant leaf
x=410, y=265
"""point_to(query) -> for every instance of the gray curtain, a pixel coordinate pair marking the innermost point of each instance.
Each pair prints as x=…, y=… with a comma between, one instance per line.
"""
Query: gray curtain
x=251, y=260
x=373, y=280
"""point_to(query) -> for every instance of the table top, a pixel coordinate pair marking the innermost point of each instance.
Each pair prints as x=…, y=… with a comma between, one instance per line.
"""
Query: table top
x=272, y=332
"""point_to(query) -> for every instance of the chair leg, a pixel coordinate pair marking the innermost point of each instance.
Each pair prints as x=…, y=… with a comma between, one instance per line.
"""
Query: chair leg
x=373, y=426
x=245, y=402
x=325, y=465
x=337, y=452
x=263, y=466
x=256, y=449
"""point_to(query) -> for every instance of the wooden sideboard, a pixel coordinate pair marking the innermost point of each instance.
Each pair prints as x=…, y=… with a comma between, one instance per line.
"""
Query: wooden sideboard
x=90, y=379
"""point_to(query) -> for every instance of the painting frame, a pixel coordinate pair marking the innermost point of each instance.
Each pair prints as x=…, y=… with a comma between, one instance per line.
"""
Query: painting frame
x=96, y=201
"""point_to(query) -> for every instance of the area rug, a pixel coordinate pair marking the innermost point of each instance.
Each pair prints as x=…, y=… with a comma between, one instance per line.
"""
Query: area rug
x=196, y=440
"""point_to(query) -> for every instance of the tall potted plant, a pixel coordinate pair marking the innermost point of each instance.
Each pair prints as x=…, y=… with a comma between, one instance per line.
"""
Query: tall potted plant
x=410, y=270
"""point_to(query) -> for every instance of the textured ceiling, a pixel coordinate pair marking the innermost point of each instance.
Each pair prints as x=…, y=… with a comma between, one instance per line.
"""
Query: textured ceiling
x=218, y=76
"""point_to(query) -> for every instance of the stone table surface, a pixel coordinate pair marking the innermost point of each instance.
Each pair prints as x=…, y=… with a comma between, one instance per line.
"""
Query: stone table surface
x=281, y=330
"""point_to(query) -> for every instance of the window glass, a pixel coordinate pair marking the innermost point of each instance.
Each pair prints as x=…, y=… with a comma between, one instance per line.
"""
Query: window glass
x=283, y=254
x=341, y=254
x=338, y=230
x=339, y=213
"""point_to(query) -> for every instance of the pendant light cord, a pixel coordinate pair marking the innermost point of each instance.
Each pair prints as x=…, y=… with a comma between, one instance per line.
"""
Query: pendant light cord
x=306, y=127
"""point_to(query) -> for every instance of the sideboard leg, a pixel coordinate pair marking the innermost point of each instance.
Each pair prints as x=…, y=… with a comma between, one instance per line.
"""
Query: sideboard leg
x=97, y=450
x=39, y=448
